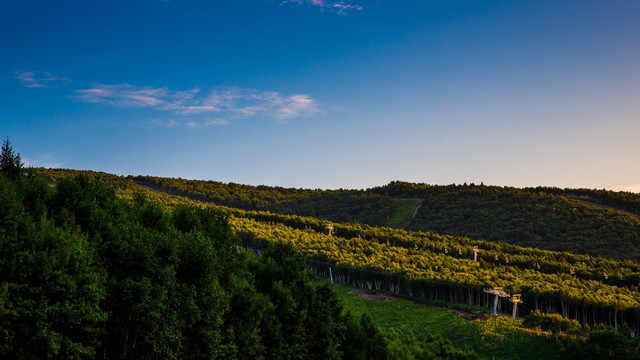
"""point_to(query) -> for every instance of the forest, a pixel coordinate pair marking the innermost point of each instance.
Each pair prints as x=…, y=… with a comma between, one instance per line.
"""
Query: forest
x=597, y=292
x=336, y=205
x=544, y=218
x=85, y=273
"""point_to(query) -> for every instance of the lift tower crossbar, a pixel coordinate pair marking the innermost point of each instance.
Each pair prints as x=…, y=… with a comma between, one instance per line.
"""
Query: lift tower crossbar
x=498, y=292
x=329, y=229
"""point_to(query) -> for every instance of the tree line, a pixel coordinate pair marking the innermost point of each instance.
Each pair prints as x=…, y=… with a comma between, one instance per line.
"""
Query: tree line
x=542, y=217
x=545, y=218
x=335, y=205
x=87, y=274
x=591, y=289
x=425, y=273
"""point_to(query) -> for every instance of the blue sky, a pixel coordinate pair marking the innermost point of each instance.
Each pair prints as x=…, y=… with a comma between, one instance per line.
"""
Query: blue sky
x=327, y=93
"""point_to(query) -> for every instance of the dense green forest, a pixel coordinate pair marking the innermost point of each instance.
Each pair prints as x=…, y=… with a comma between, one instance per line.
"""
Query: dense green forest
x=87, y=274
x=442, y=268
x=336, y=205
x=596, y=291
x=544, y=218
x=590, y=289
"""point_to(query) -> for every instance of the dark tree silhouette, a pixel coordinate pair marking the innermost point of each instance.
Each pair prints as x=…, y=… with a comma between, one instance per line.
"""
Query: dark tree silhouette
x=10, y=162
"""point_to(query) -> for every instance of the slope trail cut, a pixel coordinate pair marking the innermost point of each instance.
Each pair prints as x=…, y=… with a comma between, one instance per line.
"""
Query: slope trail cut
x=384, y=297
x=604, y=207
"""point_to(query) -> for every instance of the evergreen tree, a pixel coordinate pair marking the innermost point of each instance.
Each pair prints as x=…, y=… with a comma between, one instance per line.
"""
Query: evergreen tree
x=10, y=162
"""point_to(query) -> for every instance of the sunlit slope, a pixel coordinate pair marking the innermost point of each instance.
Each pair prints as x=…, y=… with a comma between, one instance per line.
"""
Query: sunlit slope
x=495, y=338
x=335, y=205
x=595, y=222
x=546, y=218
x=123, y=186
x=430, y=265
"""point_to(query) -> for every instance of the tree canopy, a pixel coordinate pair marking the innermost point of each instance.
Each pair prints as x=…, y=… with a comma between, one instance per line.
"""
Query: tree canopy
x=10, y=162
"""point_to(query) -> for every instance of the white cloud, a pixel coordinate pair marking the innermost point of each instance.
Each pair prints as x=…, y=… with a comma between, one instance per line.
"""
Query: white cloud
x=207, y=123
x=37, y=79
x=191, y=124
x=216, y=122
x=45, y=161
x=165, y=123
x=341, y=7
x=228, y=102
x=197, y=109
x=635, y=188
x=126, y=95
x=249, y=102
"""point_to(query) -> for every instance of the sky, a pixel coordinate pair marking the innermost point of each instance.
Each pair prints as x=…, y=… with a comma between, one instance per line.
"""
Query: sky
x=327, y=93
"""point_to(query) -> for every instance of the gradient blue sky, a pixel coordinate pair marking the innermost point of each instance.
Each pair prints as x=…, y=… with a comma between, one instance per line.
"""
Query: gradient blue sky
x=327, y=93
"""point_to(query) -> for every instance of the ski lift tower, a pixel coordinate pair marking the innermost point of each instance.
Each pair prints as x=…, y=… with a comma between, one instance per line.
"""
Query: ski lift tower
x=515, y=299
x=475, y=253
x=498, y=292
x=329, y=229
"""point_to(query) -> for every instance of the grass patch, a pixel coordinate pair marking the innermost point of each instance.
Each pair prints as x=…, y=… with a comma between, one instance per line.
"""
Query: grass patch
x=402, y=212
x=496, y=338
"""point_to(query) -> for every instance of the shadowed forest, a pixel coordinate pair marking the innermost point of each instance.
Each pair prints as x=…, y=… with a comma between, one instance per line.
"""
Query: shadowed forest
x=95, y=265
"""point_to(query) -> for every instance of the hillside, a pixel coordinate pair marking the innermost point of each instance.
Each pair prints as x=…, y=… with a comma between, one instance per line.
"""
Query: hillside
x=572, y=220
x=85, y=274
x=492, y=338
x=336, y=205
x=436, y=267
x=553, y=281
x=527, y=217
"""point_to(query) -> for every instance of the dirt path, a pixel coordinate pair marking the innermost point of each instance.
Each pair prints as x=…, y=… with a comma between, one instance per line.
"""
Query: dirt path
x=149, y=188
x=415, y=211
x=604, y=206
x=161, y=190
x=384, y=297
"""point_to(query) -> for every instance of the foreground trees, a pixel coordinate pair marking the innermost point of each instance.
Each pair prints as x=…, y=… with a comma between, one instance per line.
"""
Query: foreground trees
x=84, y=274
x=438, y=267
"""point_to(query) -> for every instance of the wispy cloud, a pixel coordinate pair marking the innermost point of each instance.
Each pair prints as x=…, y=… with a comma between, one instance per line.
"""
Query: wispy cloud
x=250, y=102
x=126, y=95
x=227, y=102
x=190, y=124
x=45, y=161
x=38, y=79
x=206, y=123
x=170, y=123
x=341, y=7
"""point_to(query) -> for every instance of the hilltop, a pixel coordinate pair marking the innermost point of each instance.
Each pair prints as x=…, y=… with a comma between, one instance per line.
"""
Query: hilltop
x=582, y=221
x=594, y=291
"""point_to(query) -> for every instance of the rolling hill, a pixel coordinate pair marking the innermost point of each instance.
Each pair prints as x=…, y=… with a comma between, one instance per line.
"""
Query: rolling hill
x=434, y=266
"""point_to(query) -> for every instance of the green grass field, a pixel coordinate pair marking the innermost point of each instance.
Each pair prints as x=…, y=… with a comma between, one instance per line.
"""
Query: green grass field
x=402, y=212
x=495, y=338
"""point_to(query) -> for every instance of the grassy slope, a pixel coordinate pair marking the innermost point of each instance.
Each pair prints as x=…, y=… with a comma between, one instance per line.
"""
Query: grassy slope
x=544, y=218
x=402, y=212
x=496, y=338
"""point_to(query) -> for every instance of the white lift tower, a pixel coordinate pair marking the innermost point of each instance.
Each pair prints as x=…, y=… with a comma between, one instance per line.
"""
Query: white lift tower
x=498, y=292
x=515, y=299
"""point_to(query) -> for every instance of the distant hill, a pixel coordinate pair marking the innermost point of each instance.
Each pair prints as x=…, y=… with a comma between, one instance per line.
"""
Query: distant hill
x=336, y=205
x=435, y=266
x=594, y=222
